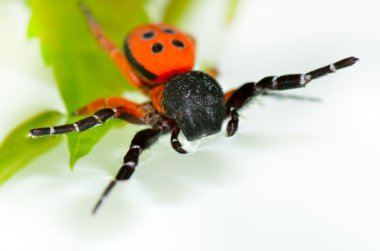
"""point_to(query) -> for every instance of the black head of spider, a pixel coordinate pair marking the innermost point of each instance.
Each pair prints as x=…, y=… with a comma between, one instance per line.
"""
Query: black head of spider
x=195, y=100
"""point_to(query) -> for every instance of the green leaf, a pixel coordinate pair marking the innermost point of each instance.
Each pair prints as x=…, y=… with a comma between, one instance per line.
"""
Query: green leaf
x=19, y=148
x=80, y=144
x=83, y=71
x=232, y=9
x=175, y=10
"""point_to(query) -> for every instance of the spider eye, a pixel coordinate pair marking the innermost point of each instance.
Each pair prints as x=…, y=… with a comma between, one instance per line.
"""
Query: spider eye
x=157, y=47
x=169, y=31
x=148, y=35
x=178, y=43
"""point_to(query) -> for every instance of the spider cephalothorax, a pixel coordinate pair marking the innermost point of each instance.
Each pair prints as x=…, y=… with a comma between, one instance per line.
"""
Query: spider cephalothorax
x=195, y=100
x=181, y=99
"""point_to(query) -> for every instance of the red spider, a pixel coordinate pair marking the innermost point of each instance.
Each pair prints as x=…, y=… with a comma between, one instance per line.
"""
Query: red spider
x=158, y=61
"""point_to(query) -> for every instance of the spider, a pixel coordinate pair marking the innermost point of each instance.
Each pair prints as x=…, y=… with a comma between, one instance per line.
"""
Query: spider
x=158, y=61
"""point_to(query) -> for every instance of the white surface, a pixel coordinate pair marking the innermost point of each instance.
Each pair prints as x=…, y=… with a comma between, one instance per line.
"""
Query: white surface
x=297, y=176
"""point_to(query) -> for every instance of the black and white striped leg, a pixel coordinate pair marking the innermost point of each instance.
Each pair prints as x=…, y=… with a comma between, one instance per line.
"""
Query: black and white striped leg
x=98, y=118
x=175, y=142
x=244, y=93
x=141, y=141
x=292, y=81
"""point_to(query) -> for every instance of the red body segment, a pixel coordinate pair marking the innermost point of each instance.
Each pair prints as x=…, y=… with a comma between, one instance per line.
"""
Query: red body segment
x=157, y=52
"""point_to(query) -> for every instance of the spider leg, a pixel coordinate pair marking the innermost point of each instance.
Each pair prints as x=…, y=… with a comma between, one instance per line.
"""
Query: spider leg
x=233, y=123
x=156, y=94
x=140, y=142
x=113, y=102
x=175, y=142
x=293, y=81
x=98, y=118
x=235, y=99
x=115, y=53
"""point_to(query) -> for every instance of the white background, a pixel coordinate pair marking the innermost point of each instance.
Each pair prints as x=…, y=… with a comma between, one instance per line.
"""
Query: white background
x=297, y=176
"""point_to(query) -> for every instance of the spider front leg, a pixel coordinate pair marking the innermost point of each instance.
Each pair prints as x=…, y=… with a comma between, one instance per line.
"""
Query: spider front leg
x=127, y=110
x=176, y=145
x=236, y=99
x=99, y=117
x=140, y=142
x=293, y=81
x=112, y=102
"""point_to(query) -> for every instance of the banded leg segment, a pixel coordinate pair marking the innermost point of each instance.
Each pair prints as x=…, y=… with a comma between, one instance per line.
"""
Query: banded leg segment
x=236, y=99
x=293, y=81
x=140, y=142
x=98, y=118
x=115, y=53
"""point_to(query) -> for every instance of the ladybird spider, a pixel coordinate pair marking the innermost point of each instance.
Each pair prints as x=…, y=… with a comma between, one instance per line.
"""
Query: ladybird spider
x=158, y=61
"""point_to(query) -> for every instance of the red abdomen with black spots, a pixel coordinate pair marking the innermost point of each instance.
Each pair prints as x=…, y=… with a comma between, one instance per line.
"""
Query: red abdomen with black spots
x=158, y=52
